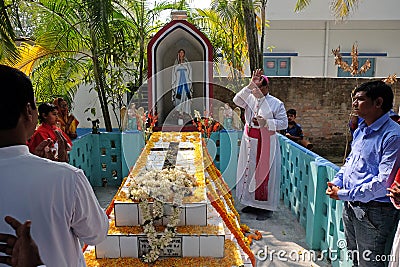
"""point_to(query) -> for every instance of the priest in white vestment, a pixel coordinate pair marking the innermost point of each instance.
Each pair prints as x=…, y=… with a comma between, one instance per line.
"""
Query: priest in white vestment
x=259, y=166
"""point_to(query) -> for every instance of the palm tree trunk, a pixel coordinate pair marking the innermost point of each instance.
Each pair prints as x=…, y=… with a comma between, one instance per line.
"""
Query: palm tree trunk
x=100, y=84
x=141, y=46
x=141, y=63
x=251, y=35
x=263, y=7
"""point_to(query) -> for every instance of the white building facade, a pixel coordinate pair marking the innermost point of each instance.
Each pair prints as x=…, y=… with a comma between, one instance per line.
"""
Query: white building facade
x=303, y=42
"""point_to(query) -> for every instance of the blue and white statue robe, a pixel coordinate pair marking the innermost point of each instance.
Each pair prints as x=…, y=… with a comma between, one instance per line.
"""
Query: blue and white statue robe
x=182, y=87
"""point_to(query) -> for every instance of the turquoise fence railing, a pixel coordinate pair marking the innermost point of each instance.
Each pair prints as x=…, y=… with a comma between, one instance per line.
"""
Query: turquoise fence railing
x=224, y=146
x=108, y=157
x=303, y=185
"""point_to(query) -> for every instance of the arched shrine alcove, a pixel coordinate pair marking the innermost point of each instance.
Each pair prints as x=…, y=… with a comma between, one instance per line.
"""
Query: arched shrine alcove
x=162, y=53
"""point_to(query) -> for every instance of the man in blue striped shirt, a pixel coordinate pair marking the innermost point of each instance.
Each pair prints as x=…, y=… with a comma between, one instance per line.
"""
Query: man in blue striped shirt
x=369, y=217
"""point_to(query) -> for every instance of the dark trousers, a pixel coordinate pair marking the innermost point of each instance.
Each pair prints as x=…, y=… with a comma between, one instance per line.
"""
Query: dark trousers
x=369, y=229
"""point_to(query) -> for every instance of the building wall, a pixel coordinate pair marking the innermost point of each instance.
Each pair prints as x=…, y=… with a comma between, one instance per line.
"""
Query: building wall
x=323, y=106
x=320, y=10
x=314, y=41
x=85, y=99
x=313, y=33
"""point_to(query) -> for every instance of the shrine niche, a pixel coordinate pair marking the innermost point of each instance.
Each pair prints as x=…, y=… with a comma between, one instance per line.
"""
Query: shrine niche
x=175, y=92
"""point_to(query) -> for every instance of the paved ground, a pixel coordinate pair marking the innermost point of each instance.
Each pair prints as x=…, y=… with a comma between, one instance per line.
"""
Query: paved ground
x=283, y=237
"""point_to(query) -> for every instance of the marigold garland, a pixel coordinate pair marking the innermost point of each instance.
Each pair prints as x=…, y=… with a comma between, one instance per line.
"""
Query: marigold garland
x=244, y=228
x=256, y=236
x=216, y=176
x=231, y=221
x=240, y=238
x=227, y=196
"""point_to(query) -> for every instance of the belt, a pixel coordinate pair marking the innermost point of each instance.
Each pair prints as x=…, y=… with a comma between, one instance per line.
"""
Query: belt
x=253, y=126
x=373, y=204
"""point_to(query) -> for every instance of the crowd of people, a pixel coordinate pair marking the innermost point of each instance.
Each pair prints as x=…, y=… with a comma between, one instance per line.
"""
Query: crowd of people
x=55, y=196
x=366, y=182
x=54, y=205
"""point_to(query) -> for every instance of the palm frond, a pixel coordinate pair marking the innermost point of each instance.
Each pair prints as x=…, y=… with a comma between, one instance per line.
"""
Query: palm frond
x=340, y=8
x=343, y=8
x=7, y=45
x=55, y=76
x=67, y=28
x=301, y=4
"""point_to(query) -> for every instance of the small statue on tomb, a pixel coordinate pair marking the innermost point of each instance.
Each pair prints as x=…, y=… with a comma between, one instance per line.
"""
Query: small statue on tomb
x=132, y=117
x=221, y=115
x=141, y=118
x=237, y=122
x=228, y=114
x=182, y=84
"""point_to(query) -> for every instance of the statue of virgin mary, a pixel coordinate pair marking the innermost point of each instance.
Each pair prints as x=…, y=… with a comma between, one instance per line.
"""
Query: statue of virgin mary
x=182, y=84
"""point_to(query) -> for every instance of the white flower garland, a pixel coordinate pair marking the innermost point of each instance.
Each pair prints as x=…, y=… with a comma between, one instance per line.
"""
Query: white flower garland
x=167, y=185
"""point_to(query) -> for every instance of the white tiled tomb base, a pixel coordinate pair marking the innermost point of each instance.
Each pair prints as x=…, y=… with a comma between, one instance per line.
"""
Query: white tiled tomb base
x=129, y=214
x=186, y=245
x=127, y=246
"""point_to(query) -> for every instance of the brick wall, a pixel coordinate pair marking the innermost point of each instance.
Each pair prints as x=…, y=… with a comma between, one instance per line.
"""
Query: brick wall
x=323, y=106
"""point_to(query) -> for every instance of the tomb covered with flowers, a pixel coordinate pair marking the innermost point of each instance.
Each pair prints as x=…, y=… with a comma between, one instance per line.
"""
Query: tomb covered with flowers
x=174, y=205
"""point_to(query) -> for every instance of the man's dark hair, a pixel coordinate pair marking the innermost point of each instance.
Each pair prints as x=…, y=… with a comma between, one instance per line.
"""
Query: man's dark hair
x=45, y=108
x=291, y=112
x=16, y=92
x=377, y=89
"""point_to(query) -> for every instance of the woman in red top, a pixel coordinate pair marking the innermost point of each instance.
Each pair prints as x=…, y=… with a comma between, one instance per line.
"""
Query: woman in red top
x=48, y=117
x=66, y=121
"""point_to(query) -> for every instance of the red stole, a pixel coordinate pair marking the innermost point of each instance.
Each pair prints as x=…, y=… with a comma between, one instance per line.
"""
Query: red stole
x=263, y=137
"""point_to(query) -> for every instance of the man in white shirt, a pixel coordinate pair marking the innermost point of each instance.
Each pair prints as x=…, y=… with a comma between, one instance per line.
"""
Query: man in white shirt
x=55, y=196
x=258, y=173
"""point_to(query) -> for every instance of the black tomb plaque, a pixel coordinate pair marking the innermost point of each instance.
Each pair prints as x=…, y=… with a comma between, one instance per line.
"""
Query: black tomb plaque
x=174, y=249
